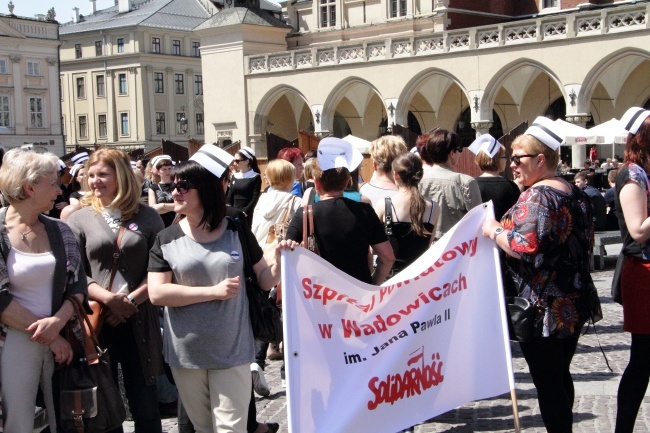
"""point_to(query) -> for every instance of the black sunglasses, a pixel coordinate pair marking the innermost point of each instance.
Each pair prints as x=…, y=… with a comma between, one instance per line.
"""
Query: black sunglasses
x=182, y=186
x=516, y=159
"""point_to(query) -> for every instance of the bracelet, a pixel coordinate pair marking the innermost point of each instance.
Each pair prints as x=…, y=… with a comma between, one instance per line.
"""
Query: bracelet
x=132, y=300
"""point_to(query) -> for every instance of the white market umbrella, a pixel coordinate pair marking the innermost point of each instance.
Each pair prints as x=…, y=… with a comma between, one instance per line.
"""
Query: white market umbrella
x=611, y=131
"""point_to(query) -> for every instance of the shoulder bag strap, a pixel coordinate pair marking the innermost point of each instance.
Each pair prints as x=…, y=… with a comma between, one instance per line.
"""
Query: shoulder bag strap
x=305, y=226
x=311, y=238
x=90, y=341
x=249, y=274
x=388, y=216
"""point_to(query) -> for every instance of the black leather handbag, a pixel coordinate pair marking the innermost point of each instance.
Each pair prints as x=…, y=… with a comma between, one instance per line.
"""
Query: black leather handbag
x=90, y=401
x=266, y=317
x=521, y=318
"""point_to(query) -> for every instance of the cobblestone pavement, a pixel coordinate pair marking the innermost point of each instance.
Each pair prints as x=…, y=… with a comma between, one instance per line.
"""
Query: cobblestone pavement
x=595, y=385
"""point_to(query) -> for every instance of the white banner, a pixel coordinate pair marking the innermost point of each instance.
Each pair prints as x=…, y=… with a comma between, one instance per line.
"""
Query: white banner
x=363, y=358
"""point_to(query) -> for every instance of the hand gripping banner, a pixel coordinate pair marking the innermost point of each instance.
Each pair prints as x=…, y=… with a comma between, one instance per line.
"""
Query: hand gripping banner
x=363, y=358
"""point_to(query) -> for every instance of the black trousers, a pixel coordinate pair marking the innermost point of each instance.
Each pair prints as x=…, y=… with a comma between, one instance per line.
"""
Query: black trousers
x=549, y=360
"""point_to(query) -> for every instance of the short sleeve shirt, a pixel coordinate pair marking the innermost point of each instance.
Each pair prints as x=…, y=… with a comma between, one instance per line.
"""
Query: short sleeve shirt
x=632, y=173
x=344, y=230
x=213, y=334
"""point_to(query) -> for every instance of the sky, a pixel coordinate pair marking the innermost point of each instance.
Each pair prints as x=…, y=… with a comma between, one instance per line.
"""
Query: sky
x=63, y=8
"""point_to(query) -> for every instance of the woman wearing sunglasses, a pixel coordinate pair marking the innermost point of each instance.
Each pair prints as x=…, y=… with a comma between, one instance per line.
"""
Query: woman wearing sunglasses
x=246, y=183
x=196, y=270
x=112, y=218
x=456, y=193
x=160, y=193
x=546, y=236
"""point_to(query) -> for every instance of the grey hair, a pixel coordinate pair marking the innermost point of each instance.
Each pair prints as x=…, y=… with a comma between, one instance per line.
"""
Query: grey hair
x=21, y=168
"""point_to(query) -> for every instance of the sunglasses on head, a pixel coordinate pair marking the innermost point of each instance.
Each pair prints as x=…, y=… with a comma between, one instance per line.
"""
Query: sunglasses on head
x=182, y=186
x=516, y=159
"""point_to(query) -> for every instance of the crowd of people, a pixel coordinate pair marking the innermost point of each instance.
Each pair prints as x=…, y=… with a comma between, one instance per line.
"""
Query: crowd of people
x=164, y=244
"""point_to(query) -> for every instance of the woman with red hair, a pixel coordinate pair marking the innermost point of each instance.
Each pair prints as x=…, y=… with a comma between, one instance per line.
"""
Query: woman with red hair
x=633, y=199
x=297, y=158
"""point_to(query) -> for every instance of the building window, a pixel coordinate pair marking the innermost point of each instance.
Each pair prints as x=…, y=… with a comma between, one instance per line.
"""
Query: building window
x=77, y=51
x=158, y=82
x=179, y=116
x=101, y=87
x=176, y=47
x=155, y=45
x=179, y=84
x=83, y=127
x=124, y=123
x=101, y=125
x=120, y=45
x=198, y=84
x=397, y=8
x=549, y=4
x=98, y=48
x=160, y=123
x=81, y=88
x=195, y=49
x=199, y=123
x=5, y=114
x=36, y=112
x=3, y=66
x=122, y=80
x=327, y=13
x=33, y=68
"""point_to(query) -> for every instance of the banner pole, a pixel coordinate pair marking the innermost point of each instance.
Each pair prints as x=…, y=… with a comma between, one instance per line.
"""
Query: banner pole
x=515, y=409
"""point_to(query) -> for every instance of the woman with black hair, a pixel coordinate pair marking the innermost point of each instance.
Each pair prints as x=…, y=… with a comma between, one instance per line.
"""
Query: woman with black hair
x=196, y=269
x=456, y=193
x=246, y=184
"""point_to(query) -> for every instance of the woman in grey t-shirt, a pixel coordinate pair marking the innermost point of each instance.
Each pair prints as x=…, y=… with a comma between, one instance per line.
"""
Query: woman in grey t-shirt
x=195, y=269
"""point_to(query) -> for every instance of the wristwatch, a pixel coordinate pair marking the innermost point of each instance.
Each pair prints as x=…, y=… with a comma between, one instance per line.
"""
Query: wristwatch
x=132, y=299
x=497, y=232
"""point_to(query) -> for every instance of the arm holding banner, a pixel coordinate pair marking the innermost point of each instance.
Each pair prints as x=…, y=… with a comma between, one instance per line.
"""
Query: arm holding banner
x=268, y=269
x=490, y=227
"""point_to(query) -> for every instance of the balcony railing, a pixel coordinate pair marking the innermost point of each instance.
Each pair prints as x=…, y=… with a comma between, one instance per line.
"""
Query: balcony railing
x=548, y=28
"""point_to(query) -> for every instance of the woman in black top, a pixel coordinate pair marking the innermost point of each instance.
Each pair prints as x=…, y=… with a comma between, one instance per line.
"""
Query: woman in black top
x=246, y=183
x=160, y=193
x=411, y=216
x=490, y=158
x=345, y=230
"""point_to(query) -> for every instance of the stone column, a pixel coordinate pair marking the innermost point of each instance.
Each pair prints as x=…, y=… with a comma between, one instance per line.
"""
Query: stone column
x=578, y=150
x=482, y=127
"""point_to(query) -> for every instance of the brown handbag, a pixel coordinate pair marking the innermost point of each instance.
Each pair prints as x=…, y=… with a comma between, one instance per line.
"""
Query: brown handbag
x=99, y=310
x=279, y=230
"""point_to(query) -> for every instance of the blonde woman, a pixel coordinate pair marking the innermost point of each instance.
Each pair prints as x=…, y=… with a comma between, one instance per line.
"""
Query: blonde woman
x=272, y=205
x=111, y=213
x=382, y=184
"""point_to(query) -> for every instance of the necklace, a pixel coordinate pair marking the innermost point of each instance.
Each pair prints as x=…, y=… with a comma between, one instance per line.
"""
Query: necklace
x=24, y=235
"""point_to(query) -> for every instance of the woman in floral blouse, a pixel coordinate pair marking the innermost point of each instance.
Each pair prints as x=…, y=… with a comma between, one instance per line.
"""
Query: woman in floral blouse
x=547, y=238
